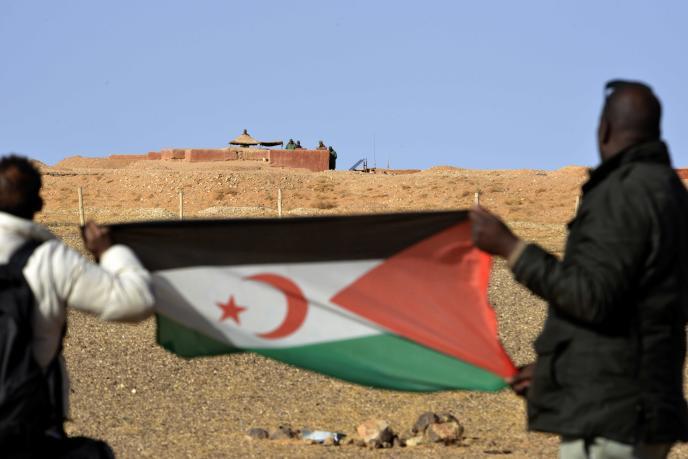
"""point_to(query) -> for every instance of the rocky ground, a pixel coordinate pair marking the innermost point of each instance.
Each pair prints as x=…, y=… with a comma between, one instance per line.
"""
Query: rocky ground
x=148, y=403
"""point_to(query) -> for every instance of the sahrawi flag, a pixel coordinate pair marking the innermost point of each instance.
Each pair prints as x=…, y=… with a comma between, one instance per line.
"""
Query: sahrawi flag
x=397, y=301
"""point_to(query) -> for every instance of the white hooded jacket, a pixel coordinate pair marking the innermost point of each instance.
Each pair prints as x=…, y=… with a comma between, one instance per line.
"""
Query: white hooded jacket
x=119, y=289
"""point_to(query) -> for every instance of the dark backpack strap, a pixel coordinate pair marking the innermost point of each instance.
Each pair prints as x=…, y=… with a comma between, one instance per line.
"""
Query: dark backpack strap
x=24, y=398
x=21, y=256
x=11, y=273
x=53, y=373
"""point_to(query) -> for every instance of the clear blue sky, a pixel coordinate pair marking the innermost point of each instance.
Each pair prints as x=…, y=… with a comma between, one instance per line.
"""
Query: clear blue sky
x=481, y=84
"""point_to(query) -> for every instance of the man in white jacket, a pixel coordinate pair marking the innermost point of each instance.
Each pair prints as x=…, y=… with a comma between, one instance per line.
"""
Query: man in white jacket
x=116, y=289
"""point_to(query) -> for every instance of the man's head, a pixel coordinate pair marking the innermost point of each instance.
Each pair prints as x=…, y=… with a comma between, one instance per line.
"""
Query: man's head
x=20, y=186
x=631, y=115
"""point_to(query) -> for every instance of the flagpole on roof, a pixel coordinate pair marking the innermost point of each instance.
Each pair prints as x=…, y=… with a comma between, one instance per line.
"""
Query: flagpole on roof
x=374, y=158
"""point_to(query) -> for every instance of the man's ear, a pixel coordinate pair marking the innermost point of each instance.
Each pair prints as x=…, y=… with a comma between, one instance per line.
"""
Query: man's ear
x=36, y=204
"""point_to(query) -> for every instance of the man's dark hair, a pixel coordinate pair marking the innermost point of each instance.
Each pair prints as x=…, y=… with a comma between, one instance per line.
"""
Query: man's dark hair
x=20, y=186
x=632, y=108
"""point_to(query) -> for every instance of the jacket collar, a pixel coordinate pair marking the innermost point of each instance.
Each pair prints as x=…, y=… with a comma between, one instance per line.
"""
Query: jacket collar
x=26, y=229
x=654, y=151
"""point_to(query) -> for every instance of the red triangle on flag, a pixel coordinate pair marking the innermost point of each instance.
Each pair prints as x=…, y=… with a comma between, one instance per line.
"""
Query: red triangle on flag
x=435, y=293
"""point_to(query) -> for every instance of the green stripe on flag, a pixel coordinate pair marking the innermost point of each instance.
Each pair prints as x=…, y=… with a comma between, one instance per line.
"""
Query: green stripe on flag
x=386, y=361
x=186, y=342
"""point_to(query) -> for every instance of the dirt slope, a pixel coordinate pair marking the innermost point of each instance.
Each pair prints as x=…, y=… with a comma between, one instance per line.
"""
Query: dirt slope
x=148, y=403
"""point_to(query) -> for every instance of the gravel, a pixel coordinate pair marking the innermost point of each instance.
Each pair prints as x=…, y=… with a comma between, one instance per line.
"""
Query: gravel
x=148, y=403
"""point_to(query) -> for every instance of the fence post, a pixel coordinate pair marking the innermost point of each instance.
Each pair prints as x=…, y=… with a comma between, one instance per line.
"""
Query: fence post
x=181, y=204
x=82, y=219
x=477, y=198
x=279, y=202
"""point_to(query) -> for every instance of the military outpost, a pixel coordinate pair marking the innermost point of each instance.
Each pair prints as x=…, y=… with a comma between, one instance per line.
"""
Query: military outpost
x=246, y=148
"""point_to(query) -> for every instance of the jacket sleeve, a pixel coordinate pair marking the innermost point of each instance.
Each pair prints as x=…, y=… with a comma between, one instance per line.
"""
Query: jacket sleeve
x=605, y=256
x=118, y=289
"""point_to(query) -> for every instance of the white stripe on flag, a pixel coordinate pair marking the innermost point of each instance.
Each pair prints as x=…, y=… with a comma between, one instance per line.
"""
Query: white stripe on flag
x=192, y=297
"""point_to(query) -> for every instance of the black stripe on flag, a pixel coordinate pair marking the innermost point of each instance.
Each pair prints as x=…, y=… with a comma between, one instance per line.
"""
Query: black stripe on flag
x=178, y=244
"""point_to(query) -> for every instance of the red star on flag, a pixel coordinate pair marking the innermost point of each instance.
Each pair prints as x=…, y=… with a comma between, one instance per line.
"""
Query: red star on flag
x=230, y=310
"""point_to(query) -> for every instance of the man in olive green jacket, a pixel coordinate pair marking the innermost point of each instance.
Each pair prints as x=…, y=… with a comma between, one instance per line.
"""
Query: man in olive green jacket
x=609, y=372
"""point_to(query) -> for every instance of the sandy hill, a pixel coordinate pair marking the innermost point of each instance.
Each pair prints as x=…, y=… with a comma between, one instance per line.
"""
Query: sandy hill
x=115, y=186
x=148, y=403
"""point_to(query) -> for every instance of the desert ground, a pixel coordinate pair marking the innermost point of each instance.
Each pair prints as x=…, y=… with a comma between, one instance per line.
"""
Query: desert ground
x=148, y=403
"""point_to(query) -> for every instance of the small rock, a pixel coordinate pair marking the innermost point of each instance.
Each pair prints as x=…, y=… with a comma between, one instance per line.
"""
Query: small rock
x=398, y=442
x=375, y=430
x=257, y=434
x=360, y=443
x=322, y=436
x=446, y=432
x=374, y=444
x=408, y=434
x=414, y=441
x=283, y=433
x=468, y=441
x=424, y=420
x=448, y=417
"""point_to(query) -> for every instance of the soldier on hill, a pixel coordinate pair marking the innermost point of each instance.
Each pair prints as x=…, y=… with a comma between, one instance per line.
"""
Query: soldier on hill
x=290, y=145
x=333, y=158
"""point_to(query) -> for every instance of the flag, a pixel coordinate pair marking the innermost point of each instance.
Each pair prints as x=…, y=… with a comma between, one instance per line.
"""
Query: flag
x=396, y=301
